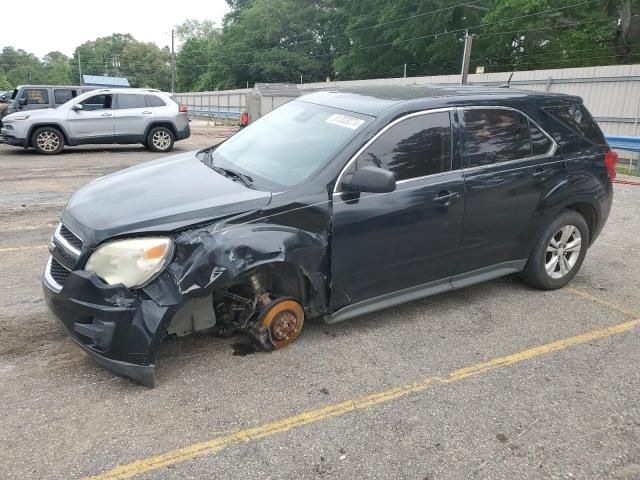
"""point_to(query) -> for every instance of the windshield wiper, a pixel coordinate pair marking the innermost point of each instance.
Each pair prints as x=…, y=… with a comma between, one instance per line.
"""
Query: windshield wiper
x=229, y=173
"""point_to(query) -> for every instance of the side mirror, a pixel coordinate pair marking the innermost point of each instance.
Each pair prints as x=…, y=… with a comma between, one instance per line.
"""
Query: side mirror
x=22, y=102
x=76, y=107
x=370, y=179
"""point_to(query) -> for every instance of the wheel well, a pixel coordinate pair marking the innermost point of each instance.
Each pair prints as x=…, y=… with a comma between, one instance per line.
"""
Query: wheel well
x=286, y=279
x=168, y=125
x=54, y=125
x=588, y=213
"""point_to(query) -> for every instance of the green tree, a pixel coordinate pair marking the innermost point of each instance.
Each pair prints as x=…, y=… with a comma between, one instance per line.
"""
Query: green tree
x=272, y=41
x=543, y=34
x=200, y=42
x=427, y=37
x=146, y=65
x=57, y=69
x=21, y=67
x=102, y=56
x=4, y=82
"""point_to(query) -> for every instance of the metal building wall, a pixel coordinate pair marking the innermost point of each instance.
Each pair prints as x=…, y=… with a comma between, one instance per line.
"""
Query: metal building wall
x=611, y=93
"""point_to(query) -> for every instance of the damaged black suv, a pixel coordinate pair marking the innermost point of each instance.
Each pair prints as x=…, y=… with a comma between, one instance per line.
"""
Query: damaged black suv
x=334, y=205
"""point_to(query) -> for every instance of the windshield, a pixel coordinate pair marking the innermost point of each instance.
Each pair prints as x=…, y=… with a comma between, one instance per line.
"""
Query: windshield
x=286, y=146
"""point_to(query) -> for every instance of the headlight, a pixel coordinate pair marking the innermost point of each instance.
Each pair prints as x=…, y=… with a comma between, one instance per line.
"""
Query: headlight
x=132, y=262
x=21, y=116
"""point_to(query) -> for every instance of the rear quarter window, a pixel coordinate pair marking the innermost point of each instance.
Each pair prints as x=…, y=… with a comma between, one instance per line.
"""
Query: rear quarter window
x=155, y=101
x=579, y=121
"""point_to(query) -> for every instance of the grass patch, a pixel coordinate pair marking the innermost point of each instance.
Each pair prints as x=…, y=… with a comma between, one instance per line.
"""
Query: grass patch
x=624, y=170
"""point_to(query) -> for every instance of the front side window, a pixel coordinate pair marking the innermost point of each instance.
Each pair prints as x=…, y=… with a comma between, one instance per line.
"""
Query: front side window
x=495, y=135
x=97, y=102
x=286, y=146
x=415, y=147
x=131, y=101
x=63, y=95
x=36, y=96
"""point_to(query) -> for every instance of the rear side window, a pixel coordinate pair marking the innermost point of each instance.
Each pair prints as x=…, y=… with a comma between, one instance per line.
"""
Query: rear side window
x=36, y=96
x=154, y=101
x=540, y=143
x=495, y=135
x=415, y=147
x=579, y=120
x=131, y=101
x=63, y=95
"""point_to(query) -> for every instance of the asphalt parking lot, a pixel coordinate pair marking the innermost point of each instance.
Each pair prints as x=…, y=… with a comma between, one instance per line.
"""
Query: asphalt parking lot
x=495, y=381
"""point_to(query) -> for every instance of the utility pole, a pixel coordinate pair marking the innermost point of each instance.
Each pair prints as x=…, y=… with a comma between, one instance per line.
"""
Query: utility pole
x=173, y=63
x=405, y=70
x=79, y=67
x=300, y=79
x=466, y=58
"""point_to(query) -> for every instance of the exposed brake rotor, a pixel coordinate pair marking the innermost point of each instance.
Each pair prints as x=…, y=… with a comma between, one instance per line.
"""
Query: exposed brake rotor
x=283, y=318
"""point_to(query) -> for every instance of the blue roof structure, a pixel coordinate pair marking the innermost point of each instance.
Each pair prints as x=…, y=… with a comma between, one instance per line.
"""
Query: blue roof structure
x=101, y=81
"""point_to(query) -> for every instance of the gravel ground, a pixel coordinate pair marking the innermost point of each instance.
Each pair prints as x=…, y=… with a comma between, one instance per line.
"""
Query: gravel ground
x=571, y=413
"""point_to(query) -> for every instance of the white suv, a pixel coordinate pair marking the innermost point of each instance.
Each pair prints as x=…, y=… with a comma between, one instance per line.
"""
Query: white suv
x=123, y=116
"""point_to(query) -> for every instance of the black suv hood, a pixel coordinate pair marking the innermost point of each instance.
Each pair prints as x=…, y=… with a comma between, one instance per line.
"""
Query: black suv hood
x=157, y=196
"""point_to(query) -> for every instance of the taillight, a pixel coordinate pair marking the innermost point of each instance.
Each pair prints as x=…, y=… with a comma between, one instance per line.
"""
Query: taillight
x=244, y=119
x=182, y=109
x=610, y=161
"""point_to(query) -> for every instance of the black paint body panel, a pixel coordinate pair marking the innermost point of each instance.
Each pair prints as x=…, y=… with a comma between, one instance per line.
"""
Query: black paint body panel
x=356, y=252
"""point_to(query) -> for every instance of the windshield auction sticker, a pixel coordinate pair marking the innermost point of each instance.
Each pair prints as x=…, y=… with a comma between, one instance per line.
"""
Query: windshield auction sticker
x=345, y=121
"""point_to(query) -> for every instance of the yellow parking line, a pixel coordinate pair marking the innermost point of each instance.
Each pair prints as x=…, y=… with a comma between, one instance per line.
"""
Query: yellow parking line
x=605, y=303
x=217, y=444
x=18, y=249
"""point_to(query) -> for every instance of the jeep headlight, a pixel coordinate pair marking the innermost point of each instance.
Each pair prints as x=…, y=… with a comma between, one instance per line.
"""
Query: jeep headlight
x=133, y=262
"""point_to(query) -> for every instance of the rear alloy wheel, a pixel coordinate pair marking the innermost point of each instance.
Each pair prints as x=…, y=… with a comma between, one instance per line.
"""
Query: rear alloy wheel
x=47, y=140
x=284, y=319
x=160, y=139
x=563, y=251
x=559, y=252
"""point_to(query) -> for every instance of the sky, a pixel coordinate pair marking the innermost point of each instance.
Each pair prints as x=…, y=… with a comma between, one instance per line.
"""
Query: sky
x=70, y=23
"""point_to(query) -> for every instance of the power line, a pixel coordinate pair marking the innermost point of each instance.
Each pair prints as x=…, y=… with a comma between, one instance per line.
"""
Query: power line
x=421, y=37
x=394, y=21
x=101, y=64
x=434, y=35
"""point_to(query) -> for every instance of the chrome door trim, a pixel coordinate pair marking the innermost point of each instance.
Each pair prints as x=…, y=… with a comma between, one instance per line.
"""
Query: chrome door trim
x=549, y=154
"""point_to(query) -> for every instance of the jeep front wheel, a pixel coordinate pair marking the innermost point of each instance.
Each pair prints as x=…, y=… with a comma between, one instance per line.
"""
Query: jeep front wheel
x=47, y=140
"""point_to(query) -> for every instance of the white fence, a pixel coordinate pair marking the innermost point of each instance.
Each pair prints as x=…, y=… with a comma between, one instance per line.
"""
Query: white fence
x=611, y=93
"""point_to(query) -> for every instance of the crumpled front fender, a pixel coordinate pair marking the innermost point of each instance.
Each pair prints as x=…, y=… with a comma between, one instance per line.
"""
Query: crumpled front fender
x=215, y=256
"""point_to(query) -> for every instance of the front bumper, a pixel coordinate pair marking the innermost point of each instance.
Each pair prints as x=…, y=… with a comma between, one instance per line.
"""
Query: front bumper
x=109, y=322
x=10, y=138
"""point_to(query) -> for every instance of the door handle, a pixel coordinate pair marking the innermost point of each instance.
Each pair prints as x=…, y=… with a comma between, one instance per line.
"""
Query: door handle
x=147, y=112
x=540, y=171
x=446, y=197
x=106, y=114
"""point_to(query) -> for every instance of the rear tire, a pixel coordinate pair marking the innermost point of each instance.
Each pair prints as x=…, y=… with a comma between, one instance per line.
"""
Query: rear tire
x=160, y=139
x=559, y=252
x=47, y=140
